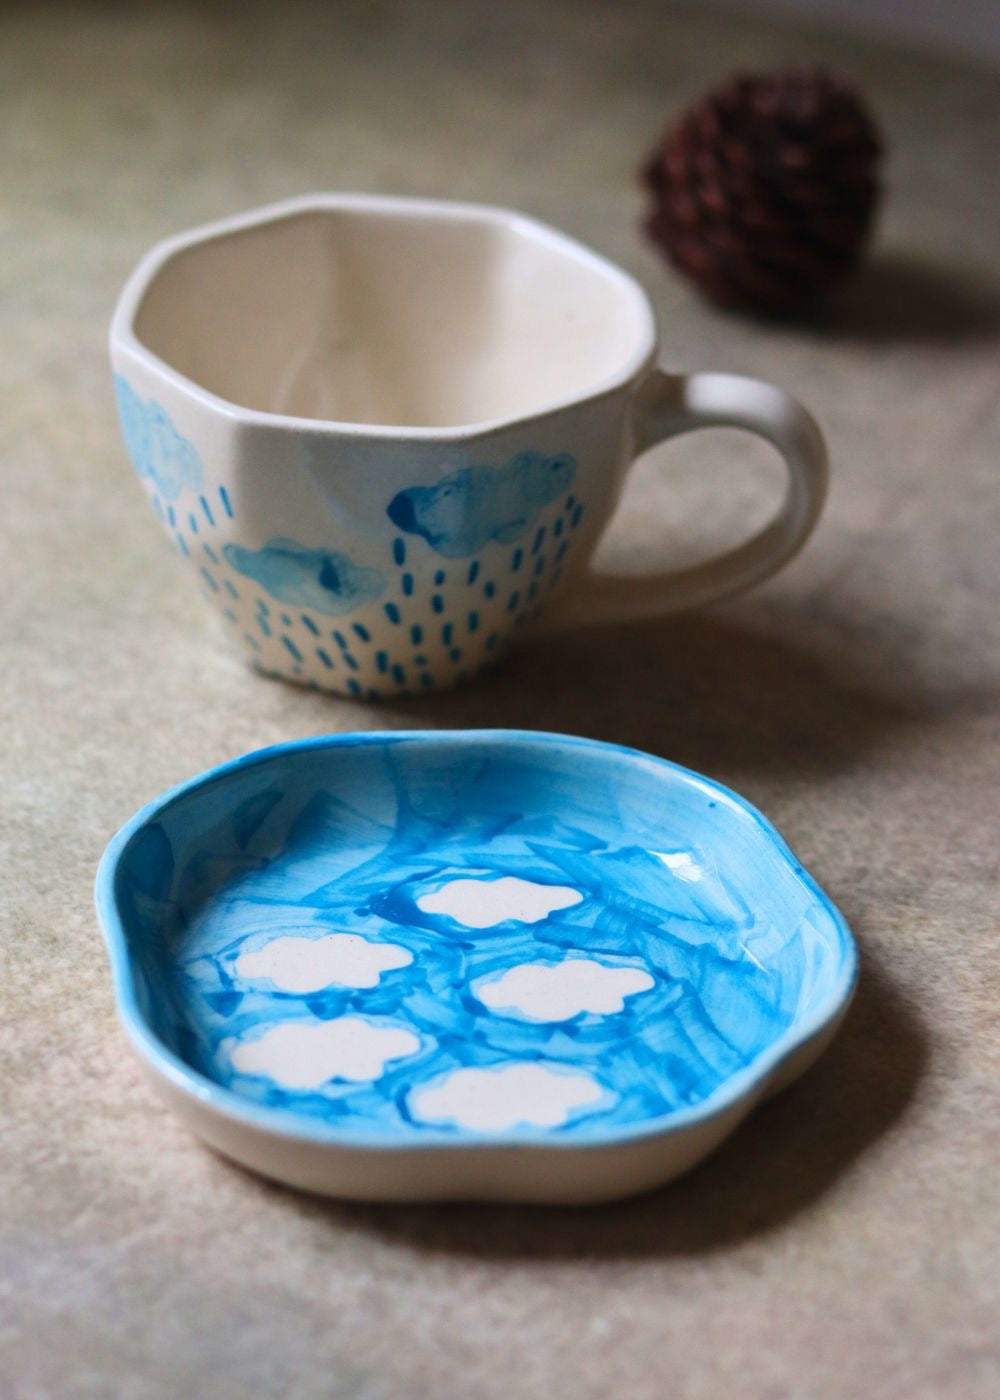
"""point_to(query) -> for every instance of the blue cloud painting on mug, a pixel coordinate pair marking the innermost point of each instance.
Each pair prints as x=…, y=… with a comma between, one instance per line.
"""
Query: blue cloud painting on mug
x=158, y=451
x=321, y=579
x=466, y=510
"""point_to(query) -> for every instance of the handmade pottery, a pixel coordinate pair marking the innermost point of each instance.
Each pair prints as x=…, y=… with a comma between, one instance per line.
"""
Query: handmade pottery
x=386, y=434
x=489, y=964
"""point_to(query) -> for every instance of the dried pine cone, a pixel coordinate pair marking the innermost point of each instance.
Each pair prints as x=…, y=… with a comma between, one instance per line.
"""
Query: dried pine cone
x=765, y=191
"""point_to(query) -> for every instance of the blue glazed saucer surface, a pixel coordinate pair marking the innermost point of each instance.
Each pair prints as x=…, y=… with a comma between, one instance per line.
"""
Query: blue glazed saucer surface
x=485, y=964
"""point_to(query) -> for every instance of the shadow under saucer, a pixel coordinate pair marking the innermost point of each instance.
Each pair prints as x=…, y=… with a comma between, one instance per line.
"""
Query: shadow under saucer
x=785, y=1156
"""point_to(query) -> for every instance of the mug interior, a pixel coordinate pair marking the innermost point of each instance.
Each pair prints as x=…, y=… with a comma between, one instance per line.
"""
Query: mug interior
x=420, y=315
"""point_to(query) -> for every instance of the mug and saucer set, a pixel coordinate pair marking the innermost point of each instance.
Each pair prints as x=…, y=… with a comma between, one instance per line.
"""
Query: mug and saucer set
x=387, y=435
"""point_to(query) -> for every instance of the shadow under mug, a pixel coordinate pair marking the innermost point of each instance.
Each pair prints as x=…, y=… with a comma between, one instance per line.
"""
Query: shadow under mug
x=388, y=433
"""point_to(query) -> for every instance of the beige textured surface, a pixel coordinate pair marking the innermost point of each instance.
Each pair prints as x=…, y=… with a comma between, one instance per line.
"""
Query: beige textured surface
x=845, y=1242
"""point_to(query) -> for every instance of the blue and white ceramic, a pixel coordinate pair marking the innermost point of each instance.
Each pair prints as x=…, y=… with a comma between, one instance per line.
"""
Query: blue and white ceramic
x=386, y=434
x=484, y=964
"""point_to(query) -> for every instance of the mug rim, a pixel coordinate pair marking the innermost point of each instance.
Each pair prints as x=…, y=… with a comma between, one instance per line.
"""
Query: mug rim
x=123, y=337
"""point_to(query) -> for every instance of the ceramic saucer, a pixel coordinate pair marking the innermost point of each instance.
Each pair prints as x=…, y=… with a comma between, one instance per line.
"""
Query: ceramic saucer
x=486, y=964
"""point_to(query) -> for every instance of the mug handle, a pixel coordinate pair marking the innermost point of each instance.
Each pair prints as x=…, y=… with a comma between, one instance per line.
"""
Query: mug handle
x=667, y=405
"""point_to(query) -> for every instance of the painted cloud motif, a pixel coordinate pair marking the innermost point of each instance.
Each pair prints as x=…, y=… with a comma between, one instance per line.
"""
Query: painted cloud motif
x=486, y=903
x=297, y=964
x=464, y=511
x=305, y=1055
x=506, y=1096
x=157, y=449
x=320, y=579
x=542, y=992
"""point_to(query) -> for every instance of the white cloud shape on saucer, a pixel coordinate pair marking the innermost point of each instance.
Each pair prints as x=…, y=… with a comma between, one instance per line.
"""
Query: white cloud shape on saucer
x=544, y=992
x=305, y=1054
x=483, y=903
x=680, y=863
x=492, y=1100
x=297, y=964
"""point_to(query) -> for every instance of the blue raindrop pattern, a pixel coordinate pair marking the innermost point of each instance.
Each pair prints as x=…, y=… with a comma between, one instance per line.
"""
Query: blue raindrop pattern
x=416, y=620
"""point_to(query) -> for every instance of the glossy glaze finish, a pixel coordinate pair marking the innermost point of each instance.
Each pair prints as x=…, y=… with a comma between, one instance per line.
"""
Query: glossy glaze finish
x=468, y=943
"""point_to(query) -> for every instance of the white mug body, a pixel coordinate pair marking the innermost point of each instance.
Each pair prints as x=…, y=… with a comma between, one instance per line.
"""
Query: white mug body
x=374, y=565
x=371, y=558
x=386, y=434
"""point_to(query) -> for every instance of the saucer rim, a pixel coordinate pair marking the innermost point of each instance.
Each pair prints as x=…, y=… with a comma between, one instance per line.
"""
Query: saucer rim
x=747, y=1083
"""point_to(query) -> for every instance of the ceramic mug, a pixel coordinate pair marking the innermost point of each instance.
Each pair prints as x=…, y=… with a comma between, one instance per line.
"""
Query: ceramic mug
x=388, y=433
